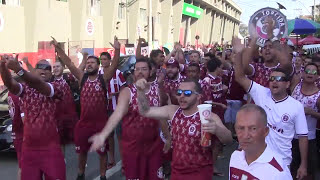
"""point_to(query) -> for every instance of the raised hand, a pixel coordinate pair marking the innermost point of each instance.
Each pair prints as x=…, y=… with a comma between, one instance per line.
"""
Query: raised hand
x=116, y=44
x=3, y=61
x=141, y=84
x=13, y=63
x=25, y=60
x=54, y=42
x=237, y=45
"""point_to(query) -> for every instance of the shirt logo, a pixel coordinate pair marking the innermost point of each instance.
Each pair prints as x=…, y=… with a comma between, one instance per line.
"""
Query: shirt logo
x=155, y=102
x=192, y=130
x=285, y=118
x=97, y=87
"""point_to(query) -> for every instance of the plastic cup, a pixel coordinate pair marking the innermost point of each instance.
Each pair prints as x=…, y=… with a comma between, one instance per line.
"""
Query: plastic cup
x=205, y=111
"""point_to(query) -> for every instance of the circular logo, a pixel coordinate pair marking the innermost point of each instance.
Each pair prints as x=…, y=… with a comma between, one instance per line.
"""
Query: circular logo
x=97, y=87
x=171, y=61
x=285, y=118
x=206, y=113
x=1, y=22
x=89, y=27
x=268, y=17
x=192, y=129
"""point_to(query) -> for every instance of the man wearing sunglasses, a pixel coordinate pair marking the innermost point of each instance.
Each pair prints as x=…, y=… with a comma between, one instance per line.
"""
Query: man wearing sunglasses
x=140, y=140
x=189, y=159
x=307, y=92
x=93, y=100
x=41, y=152
x=285, y=114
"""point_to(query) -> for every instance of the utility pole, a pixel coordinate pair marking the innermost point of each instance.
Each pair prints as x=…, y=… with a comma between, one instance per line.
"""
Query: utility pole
x=314, y=10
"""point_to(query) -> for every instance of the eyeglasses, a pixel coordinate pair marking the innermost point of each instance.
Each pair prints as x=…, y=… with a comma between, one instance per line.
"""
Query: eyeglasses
x=43, y=66
x=141, y=69
x=277, y=78
x=312, y=72
x=187, y=93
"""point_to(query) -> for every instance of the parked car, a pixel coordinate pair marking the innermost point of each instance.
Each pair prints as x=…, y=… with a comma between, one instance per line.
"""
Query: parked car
x=6, y=143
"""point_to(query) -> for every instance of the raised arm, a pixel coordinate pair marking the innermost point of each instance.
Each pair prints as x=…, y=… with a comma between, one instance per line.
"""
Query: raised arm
x=121, y=110
x=282, y=55
x=9, y=82
x=239, y=71
x=29, y=66
x=83, y=63
x=159, y=113
x=138, y=50
x=67, y=61
x=32, y=80
x=111, y=70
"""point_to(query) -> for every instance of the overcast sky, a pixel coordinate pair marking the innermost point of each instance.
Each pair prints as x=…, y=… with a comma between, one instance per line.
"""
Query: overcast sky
x=294, y=7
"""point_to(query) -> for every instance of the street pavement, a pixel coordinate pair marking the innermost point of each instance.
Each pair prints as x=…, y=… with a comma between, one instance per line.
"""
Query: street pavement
x=8, y=165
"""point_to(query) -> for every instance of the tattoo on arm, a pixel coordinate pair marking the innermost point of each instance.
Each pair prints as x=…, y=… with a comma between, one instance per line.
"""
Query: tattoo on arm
x=143, y=103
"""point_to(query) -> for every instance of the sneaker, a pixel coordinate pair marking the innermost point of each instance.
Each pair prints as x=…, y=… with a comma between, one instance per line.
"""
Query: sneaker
x=81, y=177
x=103, y=178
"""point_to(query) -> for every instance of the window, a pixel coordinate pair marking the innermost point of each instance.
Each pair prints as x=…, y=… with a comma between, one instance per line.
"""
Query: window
x=121, y=11
x=158, y=18
x=143, y=15
x=63, y=0
x=10, y=2
x=94, y=7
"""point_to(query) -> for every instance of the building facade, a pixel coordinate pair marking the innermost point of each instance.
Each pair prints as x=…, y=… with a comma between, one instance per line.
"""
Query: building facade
x=26, y=25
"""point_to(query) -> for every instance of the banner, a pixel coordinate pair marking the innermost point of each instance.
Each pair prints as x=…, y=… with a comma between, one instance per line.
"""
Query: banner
x=268, y=17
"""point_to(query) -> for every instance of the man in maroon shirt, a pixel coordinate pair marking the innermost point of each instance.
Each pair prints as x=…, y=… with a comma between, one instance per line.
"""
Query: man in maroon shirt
x=140, y=142
x=93, y=100
x=190, y=160
x=41, y=154
x=66, y=109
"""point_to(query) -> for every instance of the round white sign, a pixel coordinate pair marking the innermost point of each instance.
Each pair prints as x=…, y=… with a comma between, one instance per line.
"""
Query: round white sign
x=90, y=27
x=1, y=22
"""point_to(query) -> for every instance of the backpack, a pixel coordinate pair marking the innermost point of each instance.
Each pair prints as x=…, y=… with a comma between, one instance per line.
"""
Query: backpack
x=74, y=87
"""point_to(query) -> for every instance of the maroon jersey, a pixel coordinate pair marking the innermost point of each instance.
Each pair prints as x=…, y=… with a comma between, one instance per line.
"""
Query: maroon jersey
x=40, y=125
x=66, y=109
x=213, y=90
x=261, y=73
x=235, y=90
x=203, y=70
x=140, y=134
x=171, y=86
x=188, y=155
x=15, y=114
x=93, y=105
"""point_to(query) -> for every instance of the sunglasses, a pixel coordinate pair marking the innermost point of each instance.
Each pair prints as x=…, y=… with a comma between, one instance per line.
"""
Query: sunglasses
x=186, y=93
x=277, y=78
x=312, y=72
x=43, y=66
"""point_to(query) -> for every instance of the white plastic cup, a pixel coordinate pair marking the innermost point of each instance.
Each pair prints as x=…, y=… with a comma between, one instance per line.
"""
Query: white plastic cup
x=204, y=111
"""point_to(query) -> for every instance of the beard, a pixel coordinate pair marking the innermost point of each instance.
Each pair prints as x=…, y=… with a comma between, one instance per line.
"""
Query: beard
x=93, y=72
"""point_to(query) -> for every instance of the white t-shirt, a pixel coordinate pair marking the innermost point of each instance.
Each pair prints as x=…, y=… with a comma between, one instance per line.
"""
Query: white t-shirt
x=266, y=167
x=285, y=118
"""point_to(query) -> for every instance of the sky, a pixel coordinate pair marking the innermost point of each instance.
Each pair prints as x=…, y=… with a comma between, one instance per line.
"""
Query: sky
x=294, y=7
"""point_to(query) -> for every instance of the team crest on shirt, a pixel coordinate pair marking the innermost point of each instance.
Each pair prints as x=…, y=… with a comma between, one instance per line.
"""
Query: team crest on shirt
x=192, y=130
x=206, y=113
x=285, y=118
x=171, y=61
x=97, y=87
x=155, y=102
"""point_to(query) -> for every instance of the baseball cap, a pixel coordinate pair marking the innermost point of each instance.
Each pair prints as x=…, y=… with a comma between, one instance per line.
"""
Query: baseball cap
x=172, y=62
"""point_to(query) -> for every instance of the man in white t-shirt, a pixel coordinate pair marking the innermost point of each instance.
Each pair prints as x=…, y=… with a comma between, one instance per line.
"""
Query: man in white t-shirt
x=285, y=115
x=255, y=159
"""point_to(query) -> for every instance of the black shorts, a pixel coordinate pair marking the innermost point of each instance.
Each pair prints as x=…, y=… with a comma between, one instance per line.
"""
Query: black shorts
x=312, y=157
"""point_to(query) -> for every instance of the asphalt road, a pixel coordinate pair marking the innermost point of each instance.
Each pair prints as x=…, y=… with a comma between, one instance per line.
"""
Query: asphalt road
x=9, y=166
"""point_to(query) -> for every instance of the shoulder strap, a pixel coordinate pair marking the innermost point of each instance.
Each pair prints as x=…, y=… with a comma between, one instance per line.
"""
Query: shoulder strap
x=66, y=78
x=83, y=80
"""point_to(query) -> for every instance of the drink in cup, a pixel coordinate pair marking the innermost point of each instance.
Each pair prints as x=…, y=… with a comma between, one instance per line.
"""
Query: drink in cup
x=205, y=111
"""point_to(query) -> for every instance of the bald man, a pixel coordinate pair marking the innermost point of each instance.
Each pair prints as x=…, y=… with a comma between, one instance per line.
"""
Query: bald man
x=255, y=160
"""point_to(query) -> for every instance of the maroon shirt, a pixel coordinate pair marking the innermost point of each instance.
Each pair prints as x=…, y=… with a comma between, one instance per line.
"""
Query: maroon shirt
x=235, y=90
x=262, y=73
x=66, y=109
x=171, y=87
x=140, y=134
x=213, y=90
x=93, y=105
x=40, y=130
x=188, y=155
x=15, y=114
